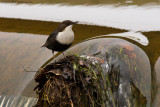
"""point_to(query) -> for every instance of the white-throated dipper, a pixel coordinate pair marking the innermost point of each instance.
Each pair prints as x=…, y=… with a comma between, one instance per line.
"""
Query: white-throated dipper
x=62, y=38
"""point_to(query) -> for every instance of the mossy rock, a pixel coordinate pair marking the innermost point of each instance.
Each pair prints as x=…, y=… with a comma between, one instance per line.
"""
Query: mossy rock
x=126, y=82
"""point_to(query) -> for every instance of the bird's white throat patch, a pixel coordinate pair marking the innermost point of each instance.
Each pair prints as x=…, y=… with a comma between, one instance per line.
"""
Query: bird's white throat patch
x=66, y=36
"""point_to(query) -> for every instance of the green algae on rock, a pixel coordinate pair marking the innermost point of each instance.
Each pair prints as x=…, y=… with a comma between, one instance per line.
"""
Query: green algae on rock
x=72, y=81
x=98, y=72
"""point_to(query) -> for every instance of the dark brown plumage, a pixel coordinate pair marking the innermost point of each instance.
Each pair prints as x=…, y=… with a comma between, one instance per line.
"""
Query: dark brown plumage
x=56, y=40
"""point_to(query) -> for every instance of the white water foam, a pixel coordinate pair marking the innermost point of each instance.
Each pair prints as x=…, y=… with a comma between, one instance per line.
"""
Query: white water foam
x=135, y=18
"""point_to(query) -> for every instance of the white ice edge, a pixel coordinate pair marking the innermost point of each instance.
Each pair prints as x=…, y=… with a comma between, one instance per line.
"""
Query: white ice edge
x=136, y=36
x=135, y=18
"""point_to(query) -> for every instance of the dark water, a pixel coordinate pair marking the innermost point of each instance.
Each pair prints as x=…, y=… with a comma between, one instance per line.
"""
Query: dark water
x=21, y=50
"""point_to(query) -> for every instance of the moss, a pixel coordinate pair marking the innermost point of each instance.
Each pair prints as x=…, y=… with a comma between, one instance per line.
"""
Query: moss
x=74, y=81
x=82, y=81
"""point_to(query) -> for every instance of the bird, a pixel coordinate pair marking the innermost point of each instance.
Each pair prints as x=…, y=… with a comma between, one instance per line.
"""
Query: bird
x=61, y=38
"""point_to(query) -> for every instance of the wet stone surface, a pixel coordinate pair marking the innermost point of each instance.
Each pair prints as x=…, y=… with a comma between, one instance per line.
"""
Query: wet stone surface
x=125, y=78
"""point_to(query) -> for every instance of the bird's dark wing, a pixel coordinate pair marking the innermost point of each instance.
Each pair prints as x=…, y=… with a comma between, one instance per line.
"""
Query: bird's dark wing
x=50, y=40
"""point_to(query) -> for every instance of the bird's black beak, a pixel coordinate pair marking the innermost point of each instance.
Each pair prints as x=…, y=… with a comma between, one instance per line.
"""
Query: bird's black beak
x=75, y=22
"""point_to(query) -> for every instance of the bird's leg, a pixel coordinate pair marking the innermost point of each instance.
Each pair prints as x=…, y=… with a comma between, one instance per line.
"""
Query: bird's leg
x=53, y=52
x=65, y=57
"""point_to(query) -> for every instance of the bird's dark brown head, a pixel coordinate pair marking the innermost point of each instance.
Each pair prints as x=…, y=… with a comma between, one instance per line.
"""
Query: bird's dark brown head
x=64, y=24
x=68, y=22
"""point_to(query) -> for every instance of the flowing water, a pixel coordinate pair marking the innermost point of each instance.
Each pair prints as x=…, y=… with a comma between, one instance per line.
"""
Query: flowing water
x=24, y=27
x=16, y=101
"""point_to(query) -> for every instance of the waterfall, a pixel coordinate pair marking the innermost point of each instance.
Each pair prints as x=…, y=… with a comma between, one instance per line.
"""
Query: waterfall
x=17, y=101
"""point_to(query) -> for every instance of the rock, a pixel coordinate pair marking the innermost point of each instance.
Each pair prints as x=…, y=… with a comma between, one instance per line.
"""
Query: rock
x=121, y=72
